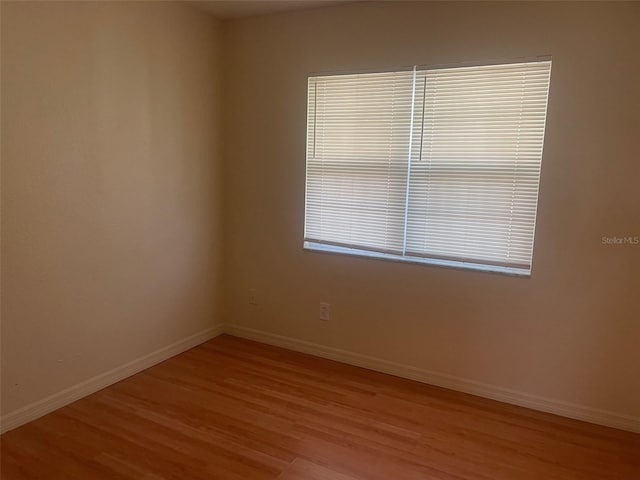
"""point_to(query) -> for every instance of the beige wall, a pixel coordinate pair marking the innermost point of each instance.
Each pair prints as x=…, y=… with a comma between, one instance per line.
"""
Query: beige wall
x=111, y=195
x=110, y=187
x=572, y=331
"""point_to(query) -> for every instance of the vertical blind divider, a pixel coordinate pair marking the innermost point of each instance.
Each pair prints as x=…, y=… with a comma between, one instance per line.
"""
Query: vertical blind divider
x=406, y=201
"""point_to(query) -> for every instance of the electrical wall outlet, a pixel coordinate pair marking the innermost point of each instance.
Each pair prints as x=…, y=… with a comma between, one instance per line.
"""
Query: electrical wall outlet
x=325, y=311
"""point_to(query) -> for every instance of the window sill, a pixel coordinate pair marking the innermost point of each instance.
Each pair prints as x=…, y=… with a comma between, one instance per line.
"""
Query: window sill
x=513, y=271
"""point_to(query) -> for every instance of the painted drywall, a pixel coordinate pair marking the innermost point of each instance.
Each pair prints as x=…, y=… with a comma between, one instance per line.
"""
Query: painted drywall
x=110, y=187
x=569, y=333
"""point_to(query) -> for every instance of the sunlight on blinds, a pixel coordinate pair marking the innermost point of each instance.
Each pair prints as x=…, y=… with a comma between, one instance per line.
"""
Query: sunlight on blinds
x=358, y=133
x=430, y=163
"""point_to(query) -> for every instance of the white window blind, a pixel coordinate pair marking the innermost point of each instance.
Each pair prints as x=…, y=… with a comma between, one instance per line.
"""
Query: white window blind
x=358, y=130
x=429, y=164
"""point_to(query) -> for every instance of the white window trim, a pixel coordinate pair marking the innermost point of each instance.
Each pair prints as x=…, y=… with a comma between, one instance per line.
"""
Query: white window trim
x=355, y=252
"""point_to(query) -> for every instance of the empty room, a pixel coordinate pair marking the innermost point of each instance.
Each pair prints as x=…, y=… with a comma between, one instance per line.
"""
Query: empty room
x=320, y=240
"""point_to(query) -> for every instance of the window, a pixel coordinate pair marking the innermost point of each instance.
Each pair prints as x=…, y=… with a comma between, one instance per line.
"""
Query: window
x=428, y=165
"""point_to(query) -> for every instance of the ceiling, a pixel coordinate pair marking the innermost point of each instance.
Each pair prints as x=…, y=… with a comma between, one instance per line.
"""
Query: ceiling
x=244, y=8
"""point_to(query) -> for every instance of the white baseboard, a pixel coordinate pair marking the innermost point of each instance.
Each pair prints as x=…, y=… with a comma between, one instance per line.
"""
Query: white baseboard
x=558, y=407
x=57, y=400
x=580, y=412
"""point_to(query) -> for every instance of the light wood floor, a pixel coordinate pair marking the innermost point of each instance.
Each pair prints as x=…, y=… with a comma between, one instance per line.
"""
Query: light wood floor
x=234, y=409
